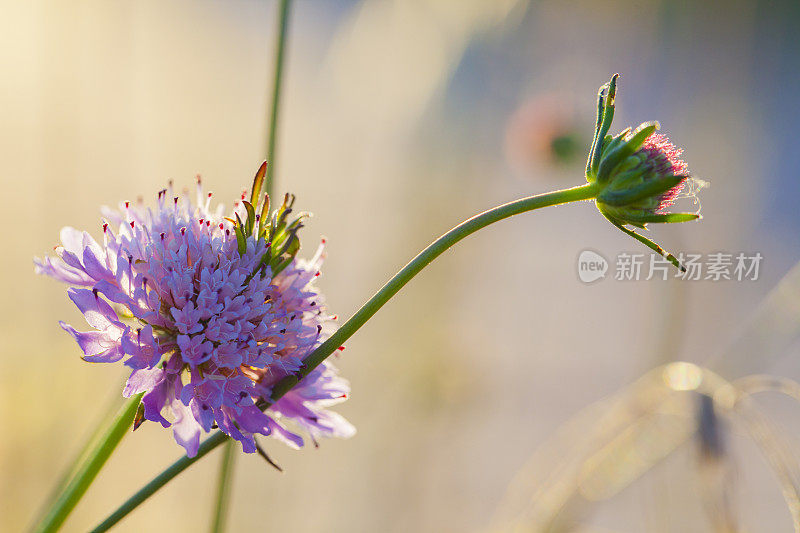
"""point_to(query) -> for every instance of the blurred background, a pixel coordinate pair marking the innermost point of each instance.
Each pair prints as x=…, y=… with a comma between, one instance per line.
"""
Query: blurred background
x=400, y=119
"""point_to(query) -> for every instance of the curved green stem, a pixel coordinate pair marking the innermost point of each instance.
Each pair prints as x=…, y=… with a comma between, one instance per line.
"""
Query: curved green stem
x=88, y=470
x=280, y=50
x=81, y=457
x=224, y=487
x=424, y=258
x=160, y=480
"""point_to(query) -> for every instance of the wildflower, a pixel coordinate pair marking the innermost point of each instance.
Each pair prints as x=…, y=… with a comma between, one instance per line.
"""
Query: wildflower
x=209, y=312
x=640, y=173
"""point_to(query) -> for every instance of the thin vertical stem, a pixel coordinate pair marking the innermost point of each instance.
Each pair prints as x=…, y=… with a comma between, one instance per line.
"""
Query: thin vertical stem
x=224, y=486
x=280, y=50
x=228, y=457
x=86, y=473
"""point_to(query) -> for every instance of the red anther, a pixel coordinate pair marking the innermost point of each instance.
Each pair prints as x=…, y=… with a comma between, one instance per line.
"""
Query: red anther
x=127, y=205
x=105, y=228
x=220, y=225
x=131, y=224
x=209, y=195
x=317, y=274
x=334, y=317
x=340, y=348
x=208, y=223
x=183, y=231
x=343, y=396
x=176, y=200
x=324, y=241
x=163, y=235
x=201, y=221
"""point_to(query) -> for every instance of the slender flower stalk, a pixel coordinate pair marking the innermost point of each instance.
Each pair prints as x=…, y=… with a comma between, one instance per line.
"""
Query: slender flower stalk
x=88, y=470
x=228, y=460
x=224, y=487
x=280, y=52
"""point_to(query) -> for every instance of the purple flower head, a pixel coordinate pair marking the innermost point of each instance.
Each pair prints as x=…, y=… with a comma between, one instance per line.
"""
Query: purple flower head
x=209, y=312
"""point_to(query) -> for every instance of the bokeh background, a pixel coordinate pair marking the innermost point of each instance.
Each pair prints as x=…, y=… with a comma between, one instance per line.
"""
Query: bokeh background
x=400, y=119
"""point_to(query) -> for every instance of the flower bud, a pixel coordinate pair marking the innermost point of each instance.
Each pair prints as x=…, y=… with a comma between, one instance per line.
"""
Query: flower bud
x=639, y=173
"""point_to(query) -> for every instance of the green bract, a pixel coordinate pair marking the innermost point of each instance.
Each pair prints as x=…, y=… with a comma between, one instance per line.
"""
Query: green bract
x=279, y=232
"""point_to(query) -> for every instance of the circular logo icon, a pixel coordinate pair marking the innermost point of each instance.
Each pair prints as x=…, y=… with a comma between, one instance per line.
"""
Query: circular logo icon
x=591, y=266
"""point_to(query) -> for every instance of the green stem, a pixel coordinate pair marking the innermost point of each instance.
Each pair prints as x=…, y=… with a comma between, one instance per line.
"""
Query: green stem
x=280, y=49
x=226, y=467
x=81, y=456
x=423, y=259
x=434, y=250
x=224, y=486
x=159, y=481
x=88, y=470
